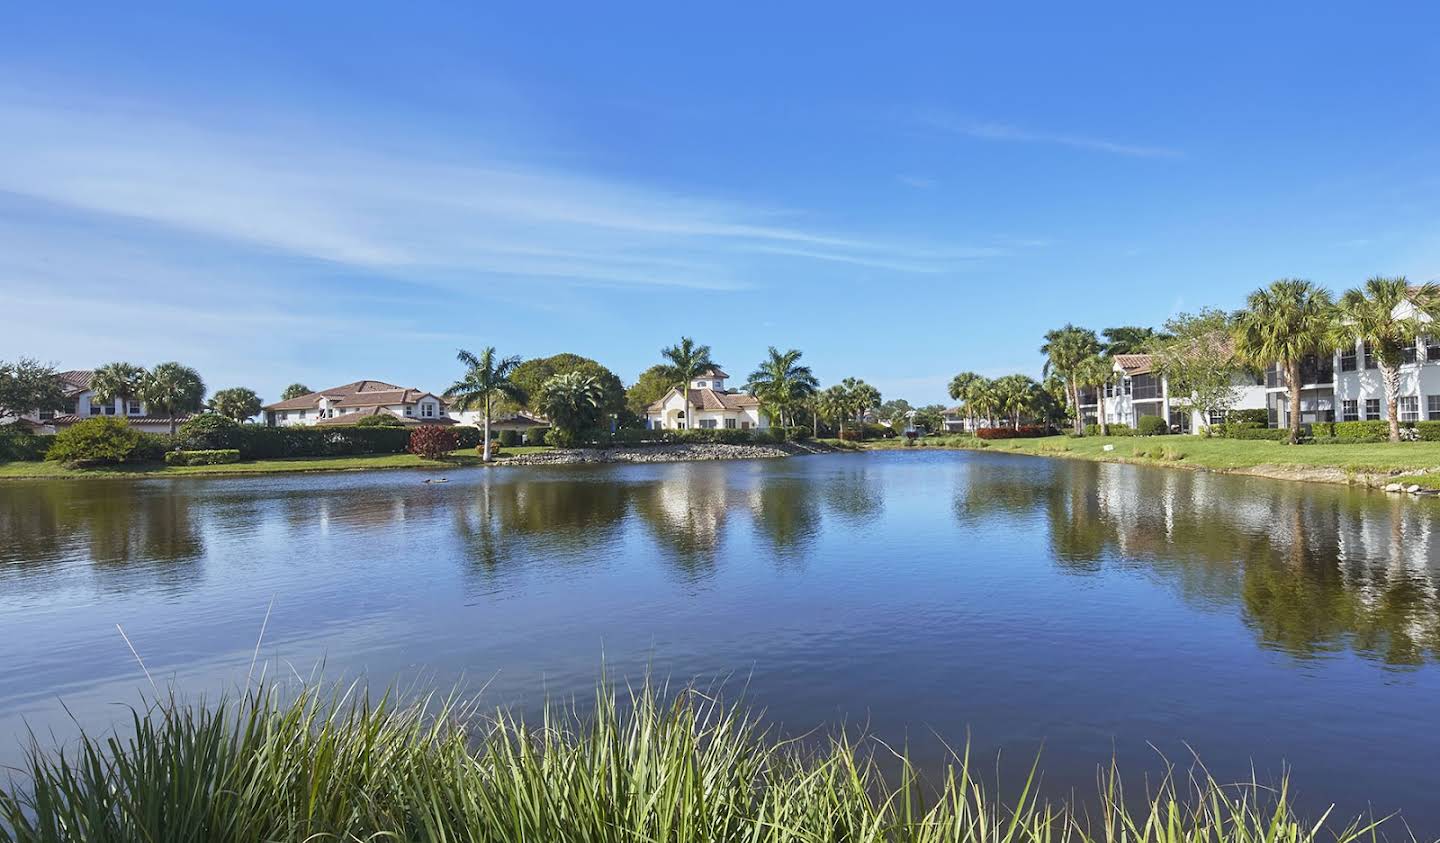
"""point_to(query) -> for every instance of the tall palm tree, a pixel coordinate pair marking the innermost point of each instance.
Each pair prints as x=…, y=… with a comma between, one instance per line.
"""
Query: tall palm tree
x=237, y=403
x=1128, y=339
x=959, y=387
x=1280, y=325
x=1095, y=372
x=1388, y=315
x=486, y=378
x=862, y=397
x=982, y=399
x=836, y=405
x=1016, y=395
x=1064, y=348
x=295, y=390
x=172, y=389
x=686, y=360
x=781, y=382
x=117, y=381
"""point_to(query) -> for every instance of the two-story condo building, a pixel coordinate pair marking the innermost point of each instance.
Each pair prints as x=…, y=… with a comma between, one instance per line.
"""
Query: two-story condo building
x=351, y=402
x=81, y=404
x=711, y=406
x=1138, y=390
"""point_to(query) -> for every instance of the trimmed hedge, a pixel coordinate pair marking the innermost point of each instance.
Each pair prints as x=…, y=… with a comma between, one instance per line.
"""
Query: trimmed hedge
x=509, y=438
x=258, y=442
x=1152, y=426
x=103, y=440
x=1352, y=432
x=1259, y=417
x=221, y=456
x=1115, y=429
x=1259, y=433
x=1028, y=431
x=23, y=446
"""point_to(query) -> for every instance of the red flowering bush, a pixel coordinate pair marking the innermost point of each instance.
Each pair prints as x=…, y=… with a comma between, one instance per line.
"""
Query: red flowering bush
x=1026, y=431
x=432, y=442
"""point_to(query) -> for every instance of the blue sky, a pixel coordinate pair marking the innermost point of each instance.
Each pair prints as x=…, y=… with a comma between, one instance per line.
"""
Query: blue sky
x=324, y=192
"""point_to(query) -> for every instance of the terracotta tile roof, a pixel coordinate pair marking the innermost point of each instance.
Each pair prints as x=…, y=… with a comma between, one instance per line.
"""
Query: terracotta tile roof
x=380, y=397
x=712, y=372
x=346, y=419
x=710, y=399
x=75, y=381
x=306, y=402
x=73, y=419
x=1134, y=364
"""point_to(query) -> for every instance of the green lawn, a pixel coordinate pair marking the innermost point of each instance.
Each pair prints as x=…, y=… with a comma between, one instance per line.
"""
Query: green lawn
x=460, y=458
x=1216, y=453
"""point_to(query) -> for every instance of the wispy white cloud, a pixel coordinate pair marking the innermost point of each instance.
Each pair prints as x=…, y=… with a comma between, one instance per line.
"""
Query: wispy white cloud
x=1004, y=132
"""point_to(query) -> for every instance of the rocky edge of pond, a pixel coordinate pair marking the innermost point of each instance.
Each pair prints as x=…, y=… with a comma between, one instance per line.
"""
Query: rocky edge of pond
x=667, y=453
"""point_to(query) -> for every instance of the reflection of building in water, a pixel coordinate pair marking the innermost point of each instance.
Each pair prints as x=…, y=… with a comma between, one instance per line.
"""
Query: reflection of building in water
x=685, y=511
x=1313, y=569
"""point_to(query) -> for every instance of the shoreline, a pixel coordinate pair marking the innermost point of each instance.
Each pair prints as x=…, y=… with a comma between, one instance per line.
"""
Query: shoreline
x=1177, y=452
x=458, y=460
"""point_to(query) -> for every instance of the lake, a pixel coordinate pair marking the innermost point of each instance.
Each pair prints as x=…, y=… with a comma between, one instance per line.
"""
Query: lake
x=1089, y=609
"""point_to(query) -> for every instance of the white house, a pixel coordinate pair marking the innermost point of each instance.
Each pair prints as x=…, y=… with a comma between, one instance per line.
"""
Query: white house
x=1138, y=391
x=351, y=402
x=81, y=404
x=711, y=406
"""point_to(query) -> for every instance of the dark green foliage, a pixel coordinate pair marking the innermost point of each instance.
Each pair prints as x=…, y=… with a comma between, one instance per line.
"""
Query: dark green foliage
x=1362, y=431
x=537, y=436
x=211, y=457
x=1260, y=417
x=532, y=374
x=380, y=420
x=1114, y=429
x=1152, y=426
x=257, y=442
x=208, y=431
x=1257, y=433
x=103, y=440
x=467, y=436
x=27, y=385
x=20, y=445
x=509, y=438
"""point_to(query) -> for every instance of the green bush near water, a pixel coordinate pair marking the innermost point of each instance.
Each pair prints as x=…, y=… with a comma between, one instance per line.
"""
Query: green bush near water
x=23, y=446
x=103, y=440
x=215, y=457
x=1152, y=426
x=642, y=767
x=1115, y=429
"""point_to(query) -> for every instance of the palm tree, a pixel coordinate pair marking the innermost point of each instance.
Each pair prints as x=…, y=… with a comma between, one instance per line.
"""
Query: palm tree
x=572, y=402
x=1388, y=315
x=1016, y=395
x=1129, y=339
x=959, y=388
x=485, y=379
x=836, y=404
x=1064, y=348
x=172, y=389
x=116, y=381
x=781, y=382
x=862, y=397
x=1282, y=324
x=687, y=360
x=295, y=390
x=983, y=400
x=238, y=403
x=1095, y=372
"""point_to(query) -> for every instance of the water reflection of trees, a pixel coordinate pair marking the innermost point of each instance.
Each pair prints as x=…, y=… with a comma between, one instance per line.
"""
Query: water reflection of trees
x=1313, y=569
x=519, y=518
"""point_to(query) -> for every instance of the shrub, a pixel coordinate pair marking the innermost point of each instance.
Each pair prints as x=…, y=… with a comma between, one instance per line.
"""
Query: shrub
x=432, y=442
x=380, y=420
x=221, y=456
x=1258, y=433
x=467, y=436
x=509, y=438
x=798, y=434
x=103, y=440
x=208, y=431
x=259, y=442
x=1260, y=417
x=23, y=446
x=1362, y=431
x=536, y=436
x=1029, y=431
x=1152, y=426
x=1115, y=429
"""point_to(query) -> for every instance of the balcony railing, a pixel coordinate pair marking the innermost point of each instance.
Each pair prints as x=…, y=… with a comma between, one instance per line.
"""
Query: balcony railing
x=1312, y=371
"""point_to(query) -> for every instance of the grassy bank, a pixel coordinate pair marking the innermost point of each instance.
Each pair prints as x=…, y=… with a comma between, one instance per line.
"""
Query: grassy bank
x=52, y=470
x=642, y=768
x=1219, y=454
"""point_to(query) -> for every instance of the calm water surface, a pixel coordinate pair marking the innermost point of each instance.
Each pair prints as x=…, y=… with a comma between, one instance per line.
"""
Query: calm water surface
x=1094, y=609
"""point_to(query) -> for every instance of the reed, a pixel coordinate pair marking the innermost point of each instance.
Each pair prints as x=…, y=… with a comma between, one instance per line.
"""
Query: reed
x=642, y=765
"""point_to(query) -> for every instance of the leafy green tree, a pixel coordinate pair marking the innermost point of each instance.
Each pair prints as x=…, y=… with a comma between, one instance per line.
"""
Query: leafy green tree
x=116, y=381
x=27, y=385
x=530, y=375
x=1016, y=396
x=652, y=385
x=781, y=383
x=295, y=390
x=1389, y=315
x=172, y=389
x=686, y=360
x=1198, y=360
x=1064, y=348
x=1282, y=324
x=931, y=417
x=1096, y=372
x=487, y=379
x=573, y=402
x=237, y=402
x=1128, y=339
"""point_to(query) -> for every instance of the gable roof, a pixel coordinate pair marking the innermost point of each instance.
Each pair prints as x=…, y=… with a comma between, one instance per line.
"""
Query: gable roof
x=1135, y=364
x=343, y=392
x=711, y=399
x=377, y=410
x=712, y=372
x=75, y=381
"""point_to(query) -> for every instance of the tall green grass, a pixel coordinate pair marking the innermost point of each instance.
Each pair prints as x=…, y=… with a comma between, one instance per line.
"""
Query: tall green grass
x=644, y=767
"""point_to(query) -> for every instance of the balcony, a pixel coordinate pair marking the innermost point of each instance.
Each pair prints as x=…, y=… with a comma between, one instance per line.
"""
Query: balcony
x=1313, y=372
x=1145, y=388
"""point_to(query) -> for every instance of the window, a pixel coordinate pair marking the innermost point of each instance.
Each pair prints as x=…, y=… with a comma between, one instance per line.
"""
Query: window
x=132, y=408
x=729, y=424
x=1432, y=407
x=1127, y=386
x=1370, y=362
x=302, y=414
x=1350, y=410
x=95, y=409
x=1109, y=390
x=1409, y=354
x=708, y=424
x=427, y=410
x=47, y=415
x=1217, y=417
x=1347, y=359
x=1432, y=348
x=1409, y=408
x=699, y=384
x=285, y=415
x=1372, y=409
x=409, y=410
x=744, y=425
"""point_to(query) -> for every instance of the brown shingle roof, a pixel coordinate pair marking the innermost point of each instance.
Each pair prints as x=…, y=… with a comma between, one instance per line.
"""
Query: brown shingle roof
x=75, y=381
x=305, y=402
x=377, y=410
x=713, y=372
x=1134, y=364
